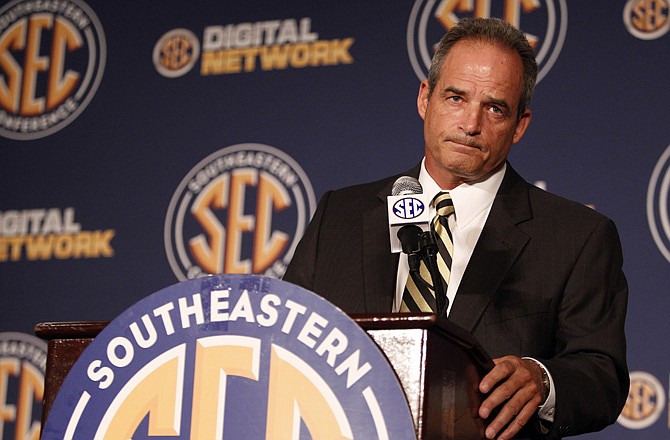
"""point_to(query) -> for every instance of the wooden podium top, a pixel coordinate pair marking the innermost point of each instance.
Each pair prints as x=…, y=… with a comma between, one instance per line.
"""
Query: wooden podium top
x=69, y=330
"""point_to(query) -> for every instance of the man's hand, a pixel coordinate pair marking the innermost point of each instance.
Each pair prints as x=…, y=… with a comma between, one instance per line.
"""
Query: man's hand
x=515, y=387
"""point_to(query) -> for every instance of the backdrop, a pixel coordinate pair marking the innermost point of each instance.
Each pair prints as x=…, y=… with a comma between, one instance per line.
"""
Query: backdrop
x=144, y=143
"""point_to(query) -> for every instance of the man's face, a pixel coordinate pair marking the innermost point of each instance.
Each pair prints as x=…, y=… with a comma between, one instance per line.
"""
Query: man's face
x=470, y=120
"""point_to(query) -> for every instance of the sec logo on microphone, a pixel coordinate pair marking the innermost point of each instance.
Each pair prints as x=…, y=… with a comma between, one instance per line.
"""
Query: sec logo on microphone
x=408, y=208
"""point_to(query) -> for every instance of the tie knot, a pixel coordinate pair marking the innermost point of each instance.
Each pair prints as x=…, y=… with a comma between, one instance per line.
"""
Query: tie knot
x=443, y=204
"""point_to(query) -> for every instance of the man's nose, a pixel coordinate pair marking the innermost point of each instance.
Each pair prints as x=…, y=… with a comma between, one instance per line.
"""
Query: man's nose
x=471, y=122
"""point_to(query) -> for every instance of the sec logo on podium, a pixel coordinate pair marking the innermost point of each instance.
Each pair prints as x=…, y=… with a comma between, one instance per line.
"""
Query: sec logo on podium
x=231, y=357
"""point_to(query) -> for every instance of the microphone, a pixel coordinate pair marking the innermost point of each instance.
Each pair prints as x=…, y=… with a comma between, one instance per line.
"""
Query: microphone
x=408, y=215
x=409, y=229
x=406, y=185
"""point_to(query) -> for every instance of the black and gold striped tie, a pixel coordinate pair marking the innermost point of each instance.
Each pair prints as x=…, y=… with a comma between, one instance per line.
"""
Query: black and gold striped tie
x=419, y=294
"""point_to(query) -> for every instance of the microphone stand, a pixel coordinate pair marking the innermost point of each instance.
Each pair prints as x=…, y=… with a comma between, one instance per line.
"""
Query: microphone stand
x=411, y=241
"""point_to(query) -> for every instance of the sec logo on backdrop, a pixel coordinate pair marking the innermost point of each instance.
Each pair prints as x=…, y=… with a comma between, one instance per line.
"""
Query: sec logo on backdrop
x=23, y=361
x=234, y=357
x=52, y=58
x=176, y=52
x=658, y=202
x=645, y=402
x=242, y=209
x=544, y=23
x=647, y=19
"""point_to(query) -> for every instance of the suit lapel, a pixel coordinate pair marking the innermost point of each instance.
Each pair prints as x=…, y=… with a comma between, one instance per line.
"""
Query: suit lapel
x=497, y=248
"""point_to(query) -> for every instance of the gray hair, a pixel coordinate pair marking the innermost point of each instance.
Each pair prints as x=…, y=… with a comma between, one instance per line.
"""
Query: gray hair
x=491, y=30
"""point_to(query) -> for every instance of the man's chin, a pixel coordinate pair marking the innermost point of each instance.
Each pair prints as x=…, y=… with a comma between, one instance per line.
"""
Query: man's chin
x=454, y=172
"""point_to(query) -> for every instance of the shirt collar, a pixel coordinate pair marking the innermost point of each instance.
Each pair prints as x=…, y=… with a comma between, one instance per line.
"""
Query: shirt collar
x=470, y=199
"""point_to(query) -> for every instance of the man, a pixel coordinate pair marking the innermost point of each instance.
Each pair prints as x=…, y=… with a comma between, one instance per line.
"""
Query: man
x=535, y=278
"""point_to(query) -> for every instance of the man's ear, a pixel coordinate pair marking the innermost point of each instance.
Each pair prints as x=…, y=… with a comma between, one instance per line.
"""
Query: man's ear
x=422, y=99
x=522, y=125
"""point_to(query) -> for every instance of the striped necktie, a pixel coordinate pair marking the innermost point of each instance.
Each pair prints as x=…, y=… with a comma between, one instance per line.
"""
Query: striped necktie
x=419, y=294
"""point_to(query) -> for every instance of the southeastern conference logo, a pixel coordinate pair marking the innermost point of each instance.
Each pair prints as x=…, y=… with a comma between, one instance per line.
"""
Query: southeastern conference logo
x=249, y=47
x=658, y=204
x=176, y=53
x=647, y=19
x=231, y=357
x=544, y=23
x=645, y=403
x=408, y=208
x=23, y=361
x=52, y=58
x=242, y=209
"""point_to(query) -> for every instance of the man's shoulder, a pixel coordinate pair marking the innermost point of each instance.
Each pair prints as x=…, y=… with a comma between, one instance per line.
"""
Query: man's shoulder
x=560, y=205
x=565, y=219
x=546, y=203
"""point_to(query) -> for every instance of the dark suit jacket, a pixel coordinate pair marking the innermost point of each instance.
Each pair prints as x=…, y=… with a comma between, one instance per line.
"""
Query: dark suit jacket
x=545, y=280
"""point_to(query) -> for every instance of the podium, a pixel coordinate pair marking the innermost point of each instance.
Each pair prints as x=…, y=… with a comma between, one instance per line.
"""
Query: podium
x=438, y=364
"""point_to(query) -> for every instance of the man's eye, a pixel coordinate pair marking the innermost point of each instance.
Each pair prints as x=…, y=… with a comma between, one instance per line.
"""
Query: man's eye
x=455, y=98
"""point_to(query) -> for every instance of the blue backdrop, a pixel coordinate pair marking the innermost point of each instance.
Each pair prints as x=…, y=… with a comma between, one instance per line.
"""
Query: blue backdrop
x=142, y=143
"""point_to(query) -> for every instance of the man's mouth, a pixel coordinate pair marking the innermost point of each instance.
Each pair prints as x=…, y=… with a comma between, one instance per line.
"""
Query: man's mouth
x=465, y=144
